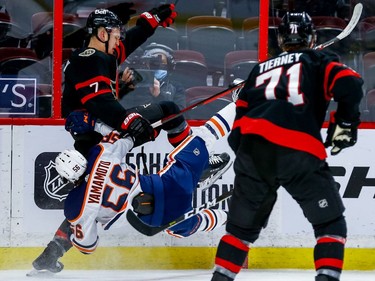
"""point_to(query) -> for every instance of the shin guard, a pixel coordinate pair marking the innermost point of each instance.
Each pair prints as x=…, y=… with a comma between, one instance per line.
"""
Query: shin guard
x=329, y=256
x=230, y=256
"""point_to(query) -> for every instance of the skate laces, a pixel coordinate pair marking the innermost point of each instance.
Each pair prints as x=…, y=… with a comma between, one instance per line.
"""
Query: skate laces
x=215, y=160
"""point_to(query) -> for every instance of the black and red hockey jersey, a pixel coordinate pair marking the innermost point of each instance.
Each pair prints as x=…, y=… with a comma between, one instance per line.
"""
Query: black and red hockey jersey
x=285, y=99
x=91, y=79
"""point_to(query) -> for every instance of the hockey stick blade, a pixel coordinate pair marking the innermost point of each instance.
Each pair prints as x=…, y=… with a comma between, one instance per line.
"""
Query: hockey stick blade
x=149, y=230
x=195, y=105
x=347, y=30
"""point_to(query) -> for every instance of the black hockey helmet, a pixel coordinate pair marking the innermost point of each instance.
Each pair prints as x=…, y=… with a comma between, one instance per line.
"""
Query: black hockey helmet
x=104, y=18
x=296, y=29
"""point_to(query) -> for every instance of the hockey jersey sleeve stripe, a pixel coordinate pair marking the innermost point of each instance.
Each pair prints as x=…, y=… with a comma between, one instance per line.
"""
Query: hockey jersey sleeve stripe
x=329, y=82
x=90, y=96
x=328, y=70
x=241, y=103
x=91, y=81
x=341, y=74
x=281, y=136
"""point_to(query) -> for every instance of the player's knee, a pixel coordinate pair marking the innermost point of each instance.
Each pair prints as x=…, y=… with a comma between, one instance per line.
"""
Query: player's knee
x=336, y=227
x=320, y=211
x=246, y=234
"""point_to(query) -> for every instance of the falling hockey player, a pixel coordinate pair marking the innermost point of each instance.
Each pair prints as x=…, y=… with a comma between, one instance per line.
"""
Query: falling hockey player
x=106, y=187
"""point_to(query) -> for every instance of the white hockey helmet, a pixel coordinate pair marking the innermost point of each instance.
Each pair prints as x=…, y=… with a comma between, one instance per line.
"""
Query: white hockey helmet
x=70, y=164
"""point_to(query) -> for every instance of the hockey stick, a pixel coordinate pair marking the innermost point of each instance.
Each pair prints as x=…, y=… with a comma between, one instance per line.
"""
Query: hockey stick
x=149, y=230
x=347, y=30
x=193, y=106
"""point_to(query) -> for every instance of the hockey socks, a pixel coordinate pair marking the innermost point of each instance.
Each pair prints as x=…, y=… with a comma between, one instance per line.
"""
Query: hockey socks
x=329, y=257
x=221, y=123
x=230, y=256
x=217, y=126
x=177, y=135
x=212, y=219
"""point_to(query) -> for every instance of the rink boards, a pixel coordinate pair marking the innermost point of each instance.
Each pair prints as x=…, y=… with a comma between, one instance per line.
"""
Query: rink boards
x=31, y=200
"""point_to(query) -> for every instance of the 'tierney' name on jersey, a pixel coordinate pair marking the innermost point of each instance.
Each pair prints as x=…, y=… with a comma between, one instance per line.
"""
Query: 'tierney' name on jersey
x=281, y=60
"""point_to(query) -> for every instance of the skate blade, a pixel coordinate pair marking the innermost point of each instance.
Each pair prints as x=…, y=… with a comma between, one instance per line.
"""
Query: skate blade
x=40, y=273
x=203, y=185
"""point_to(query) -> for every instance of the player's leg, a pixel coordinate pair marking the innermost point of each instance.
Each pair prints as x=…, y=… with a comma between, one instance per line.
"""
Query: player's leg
x=177, y=129
x=217, y=127
x=317, y=194
x=249, y=208
x=329, y=250
x=174, y=185
x=209, y=220
x=56, y=248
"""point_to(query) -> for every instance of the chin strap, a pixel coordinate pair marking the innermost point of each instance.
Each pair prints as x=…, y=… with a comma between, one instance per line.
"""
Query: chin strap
x=105, y=42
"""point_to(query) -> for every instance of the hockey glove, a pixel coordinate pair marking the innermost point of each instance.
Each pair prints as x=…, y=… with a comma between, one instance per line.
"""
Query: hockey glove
x=163, y=15
x=138, y=128
x=340, y=134
x=143, y=204
x=237, y=91
x=79, y=122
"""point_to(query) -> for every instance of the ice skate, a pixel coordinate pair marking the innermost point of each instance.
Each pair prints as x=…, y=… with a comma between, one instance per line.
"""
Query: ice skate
x=220, y=277
x=218, y=165
x=325, y=278
x=47, y=263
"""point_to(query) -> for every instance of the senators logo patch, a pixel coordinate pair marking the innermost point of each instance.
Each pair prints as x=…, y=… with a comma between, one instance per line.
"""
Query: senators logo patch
x=87, y=53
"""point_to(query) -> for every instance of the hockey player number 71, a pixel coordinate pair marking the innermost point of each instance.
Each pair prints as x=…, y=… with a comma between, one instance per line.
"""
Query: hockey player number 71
x=274, y=77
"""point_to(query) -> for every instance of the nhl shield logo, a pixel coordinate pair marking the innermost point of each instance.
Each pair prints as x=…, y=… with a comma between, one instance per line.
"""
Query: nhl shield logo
x=323, y=203
x=54, y=183
x=50, y=190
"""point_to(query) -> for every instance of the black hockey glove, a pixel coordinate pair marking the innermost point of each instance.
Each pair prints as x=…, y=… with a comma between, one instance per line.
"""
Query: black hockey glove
x=138, y=128
x=163, y=15
x=123, y=11
x=79, y=122
x=341, y=134
x=143, y=204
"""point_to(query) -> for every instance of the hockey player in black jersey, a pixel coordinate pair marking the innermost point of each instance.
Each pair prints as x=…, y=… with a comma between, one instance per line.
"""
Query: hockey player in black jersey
x=91, y=97
x=91, y=86
x=277, y=142
x=91, y=78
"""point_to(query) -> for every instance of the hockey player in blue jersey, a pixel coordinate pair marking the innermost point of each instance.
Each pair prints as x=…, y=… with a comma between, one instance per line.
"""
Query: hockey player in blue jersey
x=106, y=187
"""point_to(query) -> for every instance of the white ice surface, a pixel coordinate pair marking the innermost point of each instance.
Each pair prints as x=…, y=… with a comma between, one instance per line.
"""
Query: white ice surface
x=178, y=275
